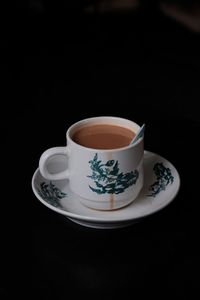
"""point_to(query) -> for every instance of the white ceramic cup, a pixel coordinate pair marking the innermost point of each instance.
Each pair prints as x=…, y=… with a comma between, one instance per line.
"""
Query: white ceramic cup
x=104, y=179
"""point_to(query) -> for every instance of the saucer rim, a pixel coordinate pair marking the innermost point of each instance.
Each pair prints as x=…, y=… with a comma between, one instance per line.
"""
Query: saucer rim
x=92, y=219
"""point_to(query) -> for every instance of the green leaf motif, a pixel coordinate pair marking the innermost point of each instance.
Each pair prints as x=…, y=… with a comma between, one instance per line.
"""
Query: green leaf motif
x=163, y=179
x=108, y=178
x=110, y=163
x=51, y=194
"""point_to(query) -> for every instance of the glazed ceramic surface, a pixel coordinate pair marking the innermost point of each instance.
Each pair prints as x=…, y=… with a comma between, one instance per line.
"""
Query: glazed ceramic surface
x=161, y=185
x=103, y=179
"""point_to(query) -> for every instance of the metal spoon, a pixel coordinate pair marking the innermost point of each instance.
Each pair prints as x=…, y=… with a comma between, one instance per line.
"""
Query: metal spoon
x=138, y=135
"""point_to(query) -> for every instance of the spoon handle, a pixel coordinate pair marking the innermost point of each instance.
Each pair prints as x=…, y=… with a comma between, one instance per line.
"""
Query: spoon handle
x=139, y=134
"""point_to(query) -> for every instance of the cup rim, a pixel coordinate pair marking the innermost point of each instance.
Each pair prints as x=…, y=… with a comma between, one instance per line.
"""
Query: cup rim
x=103, y=118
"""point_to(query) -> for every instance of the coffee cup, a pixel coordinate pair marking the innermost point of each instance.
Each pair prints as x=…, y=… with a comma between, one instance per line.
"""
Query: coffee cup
x=103, y=168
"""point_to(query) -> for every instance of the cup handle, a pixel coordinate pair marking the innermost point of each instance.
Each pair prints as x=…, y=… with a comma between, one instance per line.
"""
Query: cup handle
x=49, y=153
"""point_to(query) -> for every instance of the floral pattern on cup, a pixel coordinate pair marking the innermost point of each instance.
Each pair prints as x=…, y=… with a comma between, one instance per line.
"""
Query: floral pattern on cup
x=108, y=178
x=51, y=194
x=163, y=179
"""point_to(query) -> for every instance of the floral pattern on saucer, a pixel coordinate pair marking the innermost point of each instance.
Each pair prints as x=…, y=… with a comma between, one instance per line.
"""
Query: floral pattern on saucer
x=163, y=178
x=51, y=194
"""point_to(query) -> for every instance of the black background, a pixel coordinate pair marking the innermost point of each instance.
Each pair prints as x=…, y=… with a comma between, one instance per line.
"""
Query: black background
x=57, y=68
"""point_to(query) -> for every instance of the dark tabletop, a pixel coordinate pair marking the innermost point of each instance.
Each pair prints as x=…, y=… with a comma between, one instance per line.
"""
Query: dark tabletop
x=142, y=66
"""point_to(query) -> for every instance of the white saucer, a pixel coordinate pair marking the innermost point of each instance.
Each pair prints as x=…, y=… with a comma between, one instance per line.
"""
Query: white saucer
x=161, y=185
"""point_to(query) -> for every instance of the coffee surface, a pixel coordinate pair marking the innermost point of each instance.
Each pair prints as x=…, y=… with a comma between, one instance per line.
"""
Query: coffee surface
x=103, y=136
